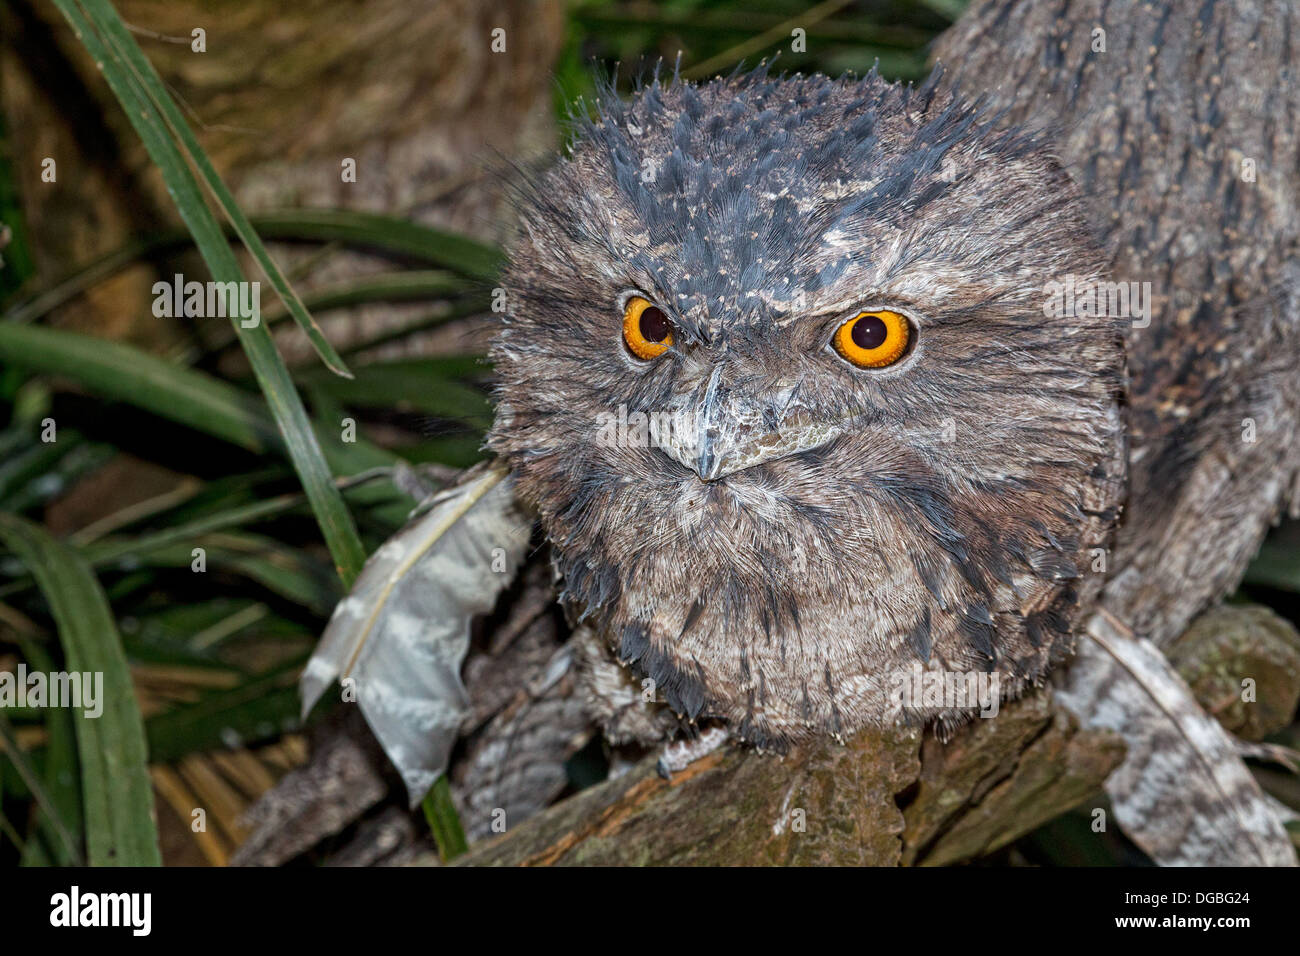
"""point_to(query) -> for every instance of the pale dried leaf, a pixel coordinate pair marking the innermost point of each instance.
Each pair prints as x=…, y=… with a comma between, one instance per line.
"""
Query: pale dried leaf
x=402, y=634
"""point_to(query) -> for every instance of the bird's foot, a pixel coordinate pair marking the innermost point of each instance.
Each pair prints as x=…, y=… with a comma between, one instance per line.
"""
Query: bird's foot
x=681, y=753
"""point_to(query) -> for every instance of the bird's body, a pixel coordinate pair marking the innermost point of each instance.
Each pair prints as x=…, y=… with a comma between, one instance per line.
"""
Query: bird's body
x=951, y=512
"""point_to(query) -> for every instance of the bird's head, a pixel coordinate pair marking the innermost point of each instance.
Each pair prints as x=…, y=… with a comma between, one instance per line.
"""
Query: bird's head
x=776, y=373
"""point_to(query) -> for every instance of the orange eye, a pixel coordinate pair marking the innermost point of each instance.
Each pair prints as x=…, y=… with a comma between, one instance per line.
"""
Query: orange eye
x=872, y=339
x=646, y=328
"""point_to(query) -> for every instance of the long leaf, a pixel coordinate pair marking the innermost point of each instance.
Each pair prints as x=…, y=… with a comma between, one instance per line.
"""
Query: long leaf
x=64, y=843
x=62, y=778
x=116, y=370
x=119, y=371
x=390, y=235
x=117, y=795
x=288, y=573
x=470, y=258
x=118, y=39
x=263, y=707
x=408, y=286
x=426, y=385
x=112, y=47
x=106, y=550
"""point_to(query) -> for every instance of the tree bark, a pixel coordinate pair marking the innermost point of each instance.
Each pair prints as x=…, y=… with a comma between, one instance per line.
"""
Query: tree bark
x=883, y=798
x=279, y=96
x=889, y=797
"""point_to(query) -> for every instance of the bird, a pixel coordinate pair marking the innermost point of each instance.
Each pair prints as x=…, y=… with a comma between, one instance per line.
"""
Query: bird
x=828, y=296
x=821, y=387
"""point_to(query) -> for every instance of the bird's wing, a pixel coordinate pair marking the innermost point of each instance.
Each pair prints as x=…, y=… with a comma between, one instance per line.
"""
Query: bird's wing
x=397, y=641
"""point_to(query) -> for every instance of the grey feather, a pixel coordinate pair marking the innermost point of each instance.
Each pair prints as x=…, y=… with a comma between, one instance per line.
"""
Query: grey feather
x=402, y=634
x=1182, y=794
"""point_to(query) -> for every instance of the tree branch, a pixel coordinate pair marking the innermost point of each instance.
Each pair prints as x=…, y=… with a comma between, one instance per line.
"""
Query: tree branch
x=882, y=798
x=889, y=797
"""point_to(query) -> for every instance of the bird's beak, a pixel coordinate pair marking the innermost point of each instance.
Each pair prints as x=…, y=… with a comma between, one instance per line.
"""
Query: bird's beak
x=718, y=432
x=714, y=444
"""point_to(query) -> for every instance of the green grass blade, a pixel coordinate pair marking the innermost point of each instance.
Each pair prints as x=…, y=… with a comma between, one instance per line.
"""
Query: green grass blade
x=444, y=822
x=130, y=58
x=122, y=372
x=117, y=794
x=389, y=235
x=468, y=257
x=106, y=550
x=263, y=707
x=282, y=570
x=733, y=55
x=408, y=285
x=432, y=386
x=8, y=832
x=62, y=778
x=94, y=272
x=470, y=305
x=65, y=843
x=116, y=370
x=335, y=521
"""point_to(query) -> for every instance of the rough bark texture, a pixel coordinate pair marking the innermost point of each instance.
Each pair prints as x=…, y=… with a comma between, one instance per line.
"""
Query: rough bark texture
x=881, y=799
x=1232, y=643
x=888, y=798
x=1002, y=779
x=1178, y=121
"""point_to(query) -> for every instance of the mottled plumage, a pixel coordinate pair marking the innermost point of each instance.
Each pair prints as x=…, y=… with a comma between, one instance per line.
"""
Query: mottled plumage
x=1181, y=123
x=938, y=512
x=1156, y=130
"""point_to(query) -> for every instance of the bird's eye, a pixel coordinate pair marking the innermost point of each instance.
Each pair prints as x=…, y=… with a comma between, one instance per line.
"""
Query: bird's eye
x=872, y=339
x=646, y=328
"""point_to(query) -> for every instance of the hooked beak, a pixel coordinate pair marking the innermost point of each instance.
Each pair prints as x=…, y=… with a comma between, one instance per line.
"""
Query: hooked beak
x=718, y=432
x=712, y=447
